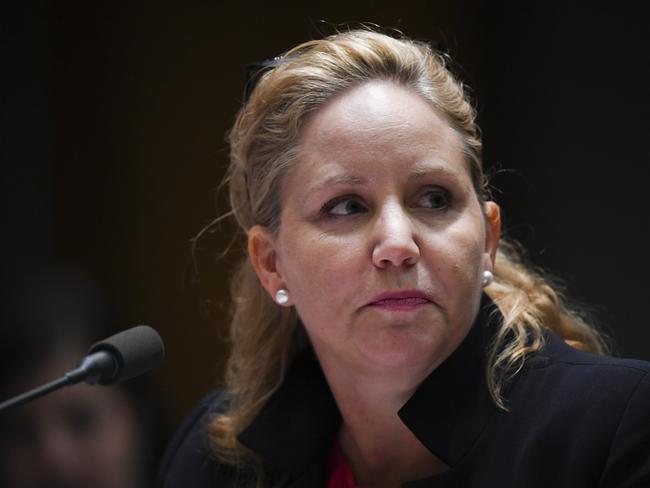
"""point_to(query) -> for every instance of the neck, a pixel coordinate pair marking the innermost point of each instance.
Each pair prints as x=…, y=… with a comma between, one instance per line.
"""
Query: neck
x=380, y=449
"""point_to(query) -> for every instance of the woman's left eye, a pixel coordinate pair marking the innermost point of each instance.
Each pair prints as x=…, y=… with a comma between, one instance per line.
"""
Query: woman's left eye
x=434, y=198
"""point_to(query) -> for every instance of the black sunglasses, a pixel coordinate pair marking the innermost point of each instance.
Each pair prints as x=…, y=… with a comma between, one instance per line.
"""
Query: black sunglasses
x=253, y=73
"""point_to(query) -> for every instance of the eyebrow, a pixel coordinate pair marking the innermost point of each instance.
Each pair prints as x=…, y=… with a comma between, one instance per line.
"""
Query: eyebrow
x=421, y=171
x=336, y=180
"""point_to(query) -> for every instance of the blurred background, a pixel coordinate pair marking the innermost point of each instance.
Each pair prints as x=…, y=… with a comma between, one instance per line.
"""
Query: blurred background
x=114, y=116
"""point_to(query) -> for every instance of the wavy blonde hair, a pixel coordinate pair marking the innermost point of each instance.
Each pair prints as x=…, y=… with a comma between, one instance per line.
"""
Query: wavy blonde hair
x=263, y=142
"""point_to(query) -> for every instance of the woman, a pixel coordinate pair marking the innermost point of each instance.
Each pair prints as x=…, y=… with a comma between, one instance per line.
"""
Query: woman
x=383, y=334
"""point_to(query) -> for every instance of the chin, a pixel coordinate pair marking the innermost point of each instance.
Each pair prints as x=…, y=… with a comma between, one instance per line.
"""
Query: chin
x=403, y=354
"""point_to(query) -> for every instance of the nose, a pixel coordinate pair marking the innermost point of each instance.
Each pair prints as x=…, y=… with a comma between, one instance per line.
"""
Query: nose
x=394, y=238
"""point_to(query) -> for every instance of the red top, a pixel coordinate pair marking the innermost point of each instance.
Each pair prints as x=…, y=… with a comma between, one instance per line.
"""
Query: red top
x=340, y=473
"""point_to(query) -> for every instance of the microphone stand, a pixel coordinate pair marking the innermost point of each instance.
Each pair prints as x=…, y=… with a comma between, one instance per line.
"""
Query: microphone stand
x=90, y=370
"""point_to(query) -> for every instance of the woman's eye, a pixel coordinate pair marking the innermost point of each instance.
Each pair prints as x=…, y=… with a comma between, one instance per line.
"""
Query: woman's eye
x=345, y=206
x=435, y=198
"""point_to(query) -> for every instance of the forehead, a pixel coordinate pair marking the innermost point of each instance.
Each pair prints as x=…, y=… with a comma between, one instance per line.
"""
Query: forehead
x=379, y=127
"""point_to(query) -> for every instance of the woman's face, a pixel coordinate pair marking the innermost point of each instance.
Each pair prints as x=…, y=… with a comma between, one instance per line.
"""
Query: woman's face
x=382, y=241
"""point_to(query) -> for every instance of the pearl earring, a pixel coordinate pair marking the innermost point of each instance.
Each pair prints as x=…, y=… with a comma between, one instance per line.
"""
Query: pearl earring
x=282, y=296
x=488, y=277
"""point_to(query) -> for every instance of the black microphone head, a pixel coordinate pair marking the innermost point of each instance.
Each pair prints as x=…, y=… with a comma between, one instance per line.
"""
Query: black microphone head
x=136, y=351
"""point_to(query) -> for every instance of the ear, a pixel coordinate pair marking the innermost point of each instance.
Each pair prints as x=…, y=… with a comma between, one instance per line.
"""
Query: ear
x=263, y=256
x=493, y=232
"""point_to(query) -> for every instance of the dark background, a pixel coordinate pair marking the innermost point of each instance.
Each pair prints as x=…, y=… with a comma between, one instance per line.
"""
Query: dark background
x=114, y=117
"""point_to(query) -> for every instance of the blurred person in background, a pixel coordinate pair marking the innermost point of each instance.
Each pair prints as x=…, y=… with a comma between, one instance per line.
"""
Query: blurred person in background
x=81, y=436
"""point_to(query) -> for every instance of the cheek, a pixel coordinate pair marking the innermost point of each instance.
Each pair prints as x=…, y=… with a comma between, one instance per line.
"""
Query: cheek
x=315, y=294
x=459, y=256
x=317, y=268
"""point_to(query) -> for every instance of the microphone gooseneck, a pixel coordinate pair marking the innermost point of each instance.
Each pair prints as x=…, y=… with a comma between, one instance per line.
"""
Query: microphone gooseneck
x=117, y=358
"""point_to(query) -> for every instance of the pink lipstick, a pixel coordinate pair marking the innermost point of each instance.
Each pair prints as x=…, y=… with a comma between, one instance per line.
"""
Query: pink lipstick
x=403, y=300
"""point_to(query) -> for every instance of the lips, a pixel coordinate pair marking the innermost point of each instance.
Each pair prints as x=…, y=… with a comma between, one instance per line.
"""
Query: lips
x=400, y=300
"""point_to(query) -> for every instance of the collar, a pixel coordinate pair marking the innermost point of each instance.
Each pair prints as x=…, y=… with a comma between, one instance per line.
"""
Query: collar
x=447, y=413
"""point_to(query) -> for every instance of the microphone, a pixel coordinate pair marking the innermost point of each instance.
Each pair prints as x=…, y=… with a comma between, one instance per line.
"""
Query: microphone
x=117, y=358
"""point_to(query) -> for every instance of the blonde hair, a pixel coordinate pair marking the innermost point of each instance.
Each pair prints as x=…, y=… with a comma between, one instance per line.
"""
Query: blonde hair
x=263, y=142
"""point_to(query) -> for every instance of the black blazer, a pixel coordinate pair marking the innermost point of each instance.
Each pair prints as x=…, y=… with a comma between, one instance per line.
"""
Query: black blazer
x=574, y=420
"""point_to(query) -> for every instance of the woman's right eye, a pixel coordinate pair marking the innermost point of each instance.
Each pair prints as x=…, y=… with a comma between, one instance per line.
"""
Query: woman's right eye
x=343, y=206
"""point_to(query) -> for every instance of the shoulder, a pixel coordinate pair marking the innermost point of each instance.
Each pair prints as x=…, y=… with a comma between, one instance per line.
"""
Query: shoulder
x=583, y=379
x=566, y=365
x=188, y=459
x=598, y=406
